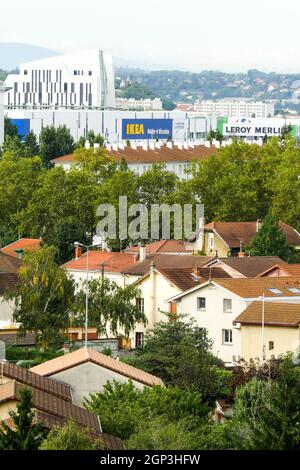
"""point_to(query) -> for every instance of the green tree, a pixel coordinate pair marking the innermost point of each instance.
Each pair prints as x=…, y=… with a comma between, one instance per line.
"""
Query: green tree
x=24, y=434
x=270, y=240
x=180, y=354
x=10, y=129
x=266, y=413
x=55, y=142
x=31, y=147
x=43, y=298
x=95, y=139
x=71, y=437
x=111, y=308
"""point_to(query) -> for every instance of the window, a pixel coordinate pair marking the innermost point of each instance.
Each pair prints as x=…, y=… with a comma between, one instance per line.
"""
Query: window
x=271, y=345
x=294, y=290
x=90, y=73
x=201, y=303
x=25, y=72
x=75, y=72
x=140, y=303
x=227, y=336
x=273, y=290
x=139, y=339
x=227, y=305
x=210, y=241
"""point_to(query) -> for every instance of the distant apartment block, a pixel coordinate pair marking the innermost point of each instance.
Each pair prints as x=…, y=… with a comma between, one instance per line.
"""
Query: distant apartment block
x=234, y=108
x=131, y=104
x=83, y=80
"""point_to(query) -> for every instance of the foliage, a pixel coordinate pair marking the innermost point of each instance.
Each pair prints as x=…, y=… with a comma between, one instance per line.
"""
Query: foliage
x=24, y=434
x=16, y=353
x=180, y=354
x=10, y=129
x=55, y=142
x=266, y=413
x=123, y=407
x=270, y=240
x=111, y=307
x=71, y=437
x=43, y=298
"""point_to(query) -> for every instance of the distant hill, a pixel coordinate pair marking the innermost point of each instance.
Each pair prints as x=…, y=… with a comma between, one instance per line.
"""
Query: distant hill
x=12, y=54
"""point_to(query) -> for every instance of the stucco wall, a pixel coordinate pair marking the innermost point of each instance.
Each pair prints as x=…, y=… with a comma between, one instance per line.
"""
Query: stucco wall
x=89, y=378
x=285, y=339
x=6, y=313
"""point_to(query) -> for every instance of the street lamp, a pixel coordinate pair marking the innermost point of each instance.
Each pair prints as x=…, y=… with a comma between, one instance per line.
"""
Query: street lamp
x=87, y=247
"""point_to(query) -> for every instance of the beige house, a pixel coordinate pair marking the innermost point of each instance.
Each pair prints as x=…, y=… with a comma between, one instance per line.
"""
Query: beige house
x=216, y=304
x=87, y=371
x=269, y=329
x=231, y=238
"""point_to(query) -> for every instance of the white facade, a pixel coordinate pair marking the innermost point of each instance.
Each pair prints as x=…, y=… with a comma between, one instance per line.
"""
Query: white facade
x=131, y=104
x=234, y=108
x=76, y=80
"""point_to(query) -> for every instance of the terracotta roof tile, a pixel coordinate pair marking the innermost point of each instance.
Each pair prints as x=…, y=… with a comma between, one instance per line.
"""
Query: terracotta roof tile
x=7, y=281
x=276, y=314
x=26, y=377
x=164, y=154
x=163, y=261
x=113, y=262
x=233, y=233
x=255, y=287
x=25, y=244
x=90, y=355
x=9, y=264
x=186, y=279
x=163, y=246
x=287, y=269
x=250, y=266
x=52, y=405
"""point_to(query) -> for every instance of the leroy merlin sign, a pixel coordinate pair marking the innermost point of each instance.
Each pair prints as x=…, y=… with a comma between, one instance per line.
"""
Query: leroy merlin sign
x=254, y=127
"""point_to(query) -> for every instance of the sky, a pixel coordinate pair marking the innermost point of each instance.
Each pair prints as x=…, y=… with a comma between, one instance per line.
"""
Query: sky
x=227, y=35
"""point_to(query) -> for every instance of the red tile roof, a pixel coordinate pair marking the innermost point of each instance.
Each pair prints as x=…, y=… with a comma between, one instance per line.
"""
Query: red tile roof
x=25, y=244
x=164, y=155
x=275, y=314
x=288, y=269
x=249, y=266
x=163, y=261
x=233, y=233
x=7, y=281
x=113, y=262
x=82, y=356
x=186, y=279
x=9, y=264
x=163, y=246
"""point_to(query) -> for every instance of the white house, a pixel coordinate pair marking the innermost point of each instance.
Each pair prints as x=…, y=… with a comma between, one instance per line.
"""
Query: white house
x=216, y=304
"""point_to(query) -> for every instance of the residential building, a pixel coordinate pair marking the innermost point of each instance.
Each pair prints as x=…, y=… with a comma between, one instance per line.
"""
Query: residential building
x=234, y=108
x=7, y=281
x=8, y=263
x=21, y=246
x=82, y=80
x=86, y=371
x=273, y=326
x=164, y=247
x=282, y=270
x=99, y=263
x=158, y=285
x=247, y=266
x=176, y=159
x=216, y=304
x=231, y=238
x=132, y=104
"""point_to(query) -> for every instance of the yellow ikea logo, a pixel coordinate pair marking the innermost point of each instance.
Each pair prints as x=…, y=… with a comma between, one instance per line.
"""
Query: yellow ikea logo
x=135, y=129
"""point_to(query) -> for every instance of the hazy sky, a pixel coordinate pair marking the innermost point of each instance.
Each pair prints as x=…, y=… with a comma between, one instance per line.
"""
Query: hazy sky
x=231, y=35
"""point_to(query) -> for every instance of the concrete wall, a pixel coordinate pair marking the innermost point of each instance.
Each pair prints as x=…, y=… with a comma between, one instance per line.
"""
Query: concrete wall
x=89, y=378
x=6, y=312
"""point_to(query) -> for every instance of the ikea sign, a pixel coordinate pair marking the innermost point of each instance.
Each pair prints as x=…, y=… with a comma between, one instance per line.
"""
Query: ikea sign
x=136, y=129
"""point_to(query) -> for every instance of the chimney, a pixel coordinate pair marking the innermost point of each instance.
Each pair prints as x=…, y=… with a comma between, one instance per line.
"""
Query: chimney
x=142, y=252
x=78, y=252
x=258, y=225
x=196, y=271
x=241, y=254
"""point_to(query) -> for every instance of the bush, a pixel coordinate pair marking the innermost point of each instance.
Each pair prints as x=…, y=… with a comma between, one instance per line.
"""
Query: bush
x=15, y=354
x=71, y=437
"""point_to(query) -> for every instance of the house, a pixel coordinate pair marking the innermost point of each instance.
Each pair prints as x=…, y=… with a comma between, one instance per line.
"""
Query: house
x=282, y=270
x=87, y=371
x=9, y=264
x=161, y=283
x=21, y=246
x=230, y=238
x=272, y=326
x=248, y=266
x=51, y=401
x=216, y=304
x=7, y=281
x=167, y=247
x=100, y=263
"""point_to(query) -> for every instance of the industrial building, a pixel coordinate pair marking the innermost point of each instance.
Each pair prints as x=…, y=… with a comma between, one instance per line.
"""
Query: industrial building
x=234, y=108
